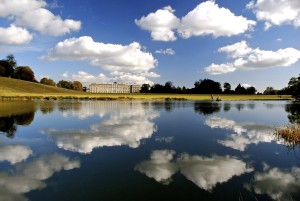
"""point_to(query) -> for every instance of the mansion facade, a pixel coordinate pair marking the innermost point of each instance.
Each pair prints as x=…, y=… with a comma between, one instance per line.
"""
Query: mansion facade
x=114, y=88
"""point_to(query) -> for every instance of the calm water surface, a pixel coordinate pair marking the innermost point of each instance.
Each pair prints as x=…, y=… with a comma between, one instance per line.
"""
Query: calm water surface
x=122, y=150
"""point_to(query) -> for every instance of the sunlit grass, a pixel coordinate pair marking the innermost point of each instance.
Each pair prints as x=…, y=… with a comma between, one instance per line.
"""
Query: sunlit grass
x=11, y=89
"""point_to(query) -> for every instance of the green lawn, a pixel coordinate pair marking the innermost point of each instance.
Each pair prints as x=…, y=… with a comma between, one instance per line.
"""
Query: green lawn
x=13, y=88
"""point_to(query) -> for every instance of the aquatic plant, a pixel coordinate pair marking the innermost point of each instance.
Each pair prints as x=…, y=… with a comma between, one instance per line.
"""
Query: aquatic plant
x=290, y=134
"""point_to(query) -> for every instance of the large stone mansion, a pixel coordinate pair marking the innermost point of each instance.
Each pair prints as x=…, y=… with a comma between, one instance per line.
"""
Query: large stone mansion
x=114, y=88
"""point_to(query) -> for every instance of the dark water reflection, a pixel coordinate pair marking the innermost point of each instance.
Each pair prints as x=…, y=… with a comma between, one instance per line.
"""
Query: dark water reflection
x=139, y=150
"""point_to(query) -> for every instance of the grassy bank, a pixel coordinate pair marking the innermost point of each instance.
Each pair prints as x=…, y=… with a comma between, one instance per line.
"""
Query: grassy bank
x=17, y=89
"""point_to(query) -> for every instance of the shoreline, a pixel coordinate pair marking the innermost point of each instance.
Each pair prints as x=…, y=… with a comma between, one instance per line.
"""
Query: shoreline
x=149, y=97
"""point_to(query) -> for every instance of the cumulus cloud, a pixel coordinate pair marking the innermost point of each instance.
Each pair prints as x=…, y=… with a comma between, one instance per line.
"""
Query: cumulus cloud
x=159, y=167
x=111, y=57
x=14, y=36
x=168, y=51
x=14, y=153
x=161, y=24
x=236, y=50
x=205, y=172
x=34, y=15
x=245, y=133
x=127, y=125
x=278, y=183
x=247, y=58
x=130, y=63
x=277, y=12
x=30, y=176
x=206, y=19
x=209, y=19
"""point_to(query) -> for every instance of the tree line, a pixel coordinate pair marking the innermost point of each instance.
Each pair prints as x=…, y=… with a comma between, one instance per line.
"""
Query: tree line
x=9, y=68
x=205, y=86
x=208, y=86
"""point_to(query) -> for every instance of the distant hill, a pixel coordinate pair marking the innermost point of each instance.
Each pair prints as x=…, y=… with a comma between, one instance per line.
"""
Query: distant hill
x=15, y=87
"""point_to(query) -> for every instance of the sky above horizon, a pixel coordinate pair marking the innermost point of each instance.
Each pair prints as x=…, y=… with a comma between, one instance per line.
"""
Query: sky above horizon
x=248, y=42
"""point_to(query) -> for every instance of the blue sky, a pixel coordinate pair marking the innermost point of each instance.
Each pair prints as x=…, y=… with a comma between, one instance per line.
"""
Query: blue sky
x=154, y=41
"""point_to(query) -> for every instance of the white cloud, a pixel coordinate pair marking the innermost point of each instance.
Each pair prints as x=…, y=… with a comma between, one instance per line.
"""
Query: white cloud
x=110, y=57
x=168, y=51
x=14, y=36
x=30, y=176
x=205, y=172
x=279, y=184
x=14, y=153
x=159, y=167
x=126, y=125
x=32, y=14
x=277, y=12
x=130, y=63
x=247, y=58
x=246, y=85
x=246, y=133
x=236, y=50
x=209, y=19
x=206, y=19
x=216, y=69
x=161, y=24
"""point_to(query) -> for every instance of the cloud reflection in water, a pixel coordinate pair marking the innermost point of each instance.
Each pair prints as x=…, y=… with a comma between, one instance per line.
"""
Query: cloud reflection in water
x=30, y=176
x=278, y=183
x=246, y=133
x=205, y=172
x=14, y=153
x=127, y=125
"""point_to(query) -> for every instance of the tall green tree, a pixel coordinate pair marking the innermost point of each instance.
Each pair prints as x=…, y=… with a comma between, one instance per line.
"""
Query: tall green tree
x=207, y=86
x=270, y=91
x=11, y=60
x=6, y=70
x=240, y=90
x=65, y=84
x=227, y=88
x=145, y=88
x=296, y=91
x=251, y=90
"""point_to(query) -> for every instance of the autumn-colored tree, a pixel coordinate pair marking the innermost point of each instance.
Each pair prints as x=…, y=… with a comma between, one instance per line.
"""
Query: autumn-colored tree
x=77, y=86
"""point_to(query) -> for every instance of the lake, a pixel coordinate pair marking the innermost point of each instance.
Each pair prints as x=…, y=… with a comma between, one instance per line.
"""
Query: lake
x=147, y=150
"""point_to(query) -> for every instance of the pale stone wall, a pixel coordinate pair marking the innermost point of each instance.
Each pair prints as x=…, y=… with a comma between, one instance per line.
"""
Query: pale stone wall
x=113, y=88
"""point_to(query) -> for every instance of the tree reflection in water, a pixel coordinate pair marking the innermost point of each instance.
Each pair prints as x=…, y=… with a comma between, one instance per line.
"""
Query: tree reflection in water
x=207, y=108
x=294, y=112
x=8, y=125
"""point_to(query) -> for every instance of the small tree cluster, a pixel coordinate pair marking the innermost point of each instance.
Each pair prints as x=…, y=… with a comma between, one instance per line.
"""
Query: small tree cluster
x=9, y=68
x=47, y=81
x=76, y=85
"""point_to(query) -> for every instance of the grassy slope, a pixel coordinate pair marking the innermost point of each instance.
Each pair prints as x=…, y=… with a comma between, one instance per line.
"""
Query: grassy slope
x=18, y=88
x=13, y=87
